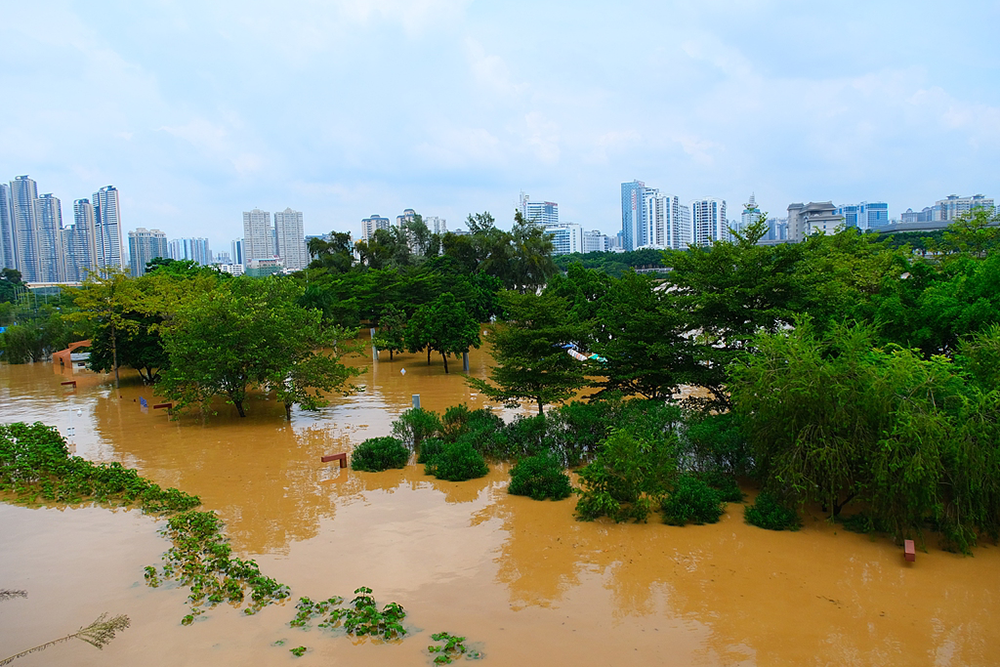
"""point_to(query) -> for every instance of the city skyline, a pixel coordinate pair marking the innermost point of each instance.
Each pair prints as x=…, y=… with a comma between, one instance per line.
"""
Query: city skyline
x=730, y=98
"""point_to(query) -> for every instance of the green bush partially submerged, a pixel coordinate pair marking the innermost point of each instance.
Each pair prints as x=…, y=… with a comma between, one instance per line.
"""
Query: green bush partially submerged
x=457, y=462
x=767, y=512
x=35, y=464
x=692, y=501
x=539, y=477
x=378, y=454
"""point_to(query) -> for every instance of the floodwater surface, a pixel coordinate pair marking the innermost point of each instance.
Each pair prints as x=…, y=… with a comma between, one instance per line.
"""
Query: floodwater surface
x=522, y=580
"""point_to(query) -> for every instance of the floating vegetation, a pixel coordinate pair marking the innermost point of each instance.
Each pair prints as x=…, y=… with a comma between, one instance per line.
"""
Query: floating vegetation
x=98, y=634
x=360, y=618
x=35, y=465
x=201, y=559
x=450, y=649
x=298, y=651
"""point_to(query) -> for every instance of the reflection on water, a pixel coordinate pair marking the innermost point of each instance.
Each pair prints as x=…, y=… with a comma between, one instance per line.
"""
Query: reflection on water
x=523, y=577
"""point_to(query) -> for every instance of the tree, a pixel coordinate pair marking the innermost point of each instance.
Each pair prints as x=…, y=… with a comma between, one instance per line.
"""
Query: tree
x=531, y=362
x=248, y=333
x=313, y=366
x=108, y=299
x=443, y=326
x=642, y=338
x=334, y=255
x=391, y=330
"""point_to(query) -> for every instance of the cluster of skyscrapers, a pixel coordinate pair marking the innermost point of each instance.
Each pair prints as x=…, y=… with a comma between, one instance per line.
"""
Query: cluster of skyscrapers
x=654, y=219
x=267, y=248
x=34, y=241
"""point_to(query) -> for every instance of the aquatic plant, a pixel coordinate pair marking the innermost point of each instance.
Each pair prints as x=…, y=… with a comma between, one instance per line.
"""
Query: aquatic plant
x=457, y=462
x=98, y=634
x=692, y=501
x=452, y=647
x=201, y=559
x=768, y=513
x=378, y=454
x=362, y=617
x=35, y=464
x=298, y=651
x=539, y=477
x=8, y=594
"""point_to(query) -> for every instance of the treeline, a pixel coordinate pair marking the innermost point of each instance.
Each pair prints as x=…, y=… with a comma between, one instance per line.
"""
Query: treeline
x=844, y=370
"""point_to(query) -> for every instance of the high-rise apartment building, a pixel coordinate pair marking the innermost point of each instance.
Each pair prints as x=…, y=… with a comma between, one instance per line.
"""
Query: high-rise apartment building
x=8, y=254
x=539, y=212
x=708, y=217
x=237, y=247
x=258, y=236
x=653, y=219
x=145, y=245
x=80, y=242
x=49, y=229
x=195, y=250
x=954, y=206
x=23, y=193
x=437, y=225
x=369, y=225
x=291, y=239
x=107, y=222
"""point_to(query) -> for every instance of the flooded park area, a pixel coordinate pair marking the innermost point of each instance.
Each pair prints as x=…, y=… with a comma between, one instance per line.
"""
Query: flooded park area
x=522, y=580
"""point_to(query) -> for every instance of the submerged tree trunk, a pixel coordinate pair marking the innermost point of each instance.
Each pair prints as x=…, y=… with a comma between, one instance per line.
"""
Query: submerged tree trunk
x=428, y=355
x=445, y=357
x=540, y=406
x=288, y=411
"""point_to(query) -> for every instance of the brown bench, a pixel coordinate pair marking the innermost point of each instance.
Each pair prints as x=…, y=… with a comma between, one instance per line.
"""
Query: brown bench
x=909, y=550
x=342, y=457
x=69, y=382
x=163, y=405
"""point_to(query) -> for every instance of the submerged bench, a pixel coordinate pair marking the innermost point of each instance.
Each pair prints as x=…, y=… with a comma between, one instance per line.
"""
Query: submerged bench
x=342, y=457
x=909, y=551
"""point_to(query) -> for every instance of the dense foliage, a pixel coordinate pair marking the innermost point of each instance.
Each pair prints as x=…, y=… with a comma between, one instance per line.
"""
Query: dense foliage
x=692, y=501
x=457, y=462
x=35, y=465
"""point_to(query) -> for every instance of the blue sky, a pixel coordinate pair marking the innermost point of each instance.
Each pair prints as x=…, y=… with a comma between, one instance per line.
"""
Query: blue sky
x=198, y=111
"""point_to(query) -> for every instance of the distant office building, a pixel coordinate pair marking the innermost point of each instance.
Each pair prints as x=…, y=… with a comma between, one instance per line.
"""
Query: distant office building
x=237, y=248
x=232, y=269
x=911, y=217
x=539, y=212
x=807, y=219
x=49, y=229
x=777, y=230
x=369, y=225
x=864, y=216
x=291, y=239
x=145, y=245
x=8, y=255
x=751, y=213
x=595, y=241
x=632, y=214
x=221, y=258
x=107, y=222
x=437, y=225
x=258, y=236
x=258, y=268
x=708, y=217
x=567, y=237
x=196, y=250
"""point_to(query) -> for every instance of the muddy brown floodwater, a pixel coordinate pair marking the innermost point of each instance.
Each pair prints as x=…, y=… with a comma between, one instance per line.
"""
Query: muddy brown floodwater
x=522, y=580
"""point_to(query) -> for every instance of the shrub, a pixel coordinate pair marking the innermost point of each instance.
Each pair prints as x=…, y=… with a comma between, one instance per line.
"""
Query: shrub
x=627, y=479
x=457, y=462
x=728, y=489
x=528, y=436
x=716, y=443
x=429, y=448
x=770, y=514
x=539, y=477
x=414, y=425
x=577, y=428
x=378, y=454
x=693, y=501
